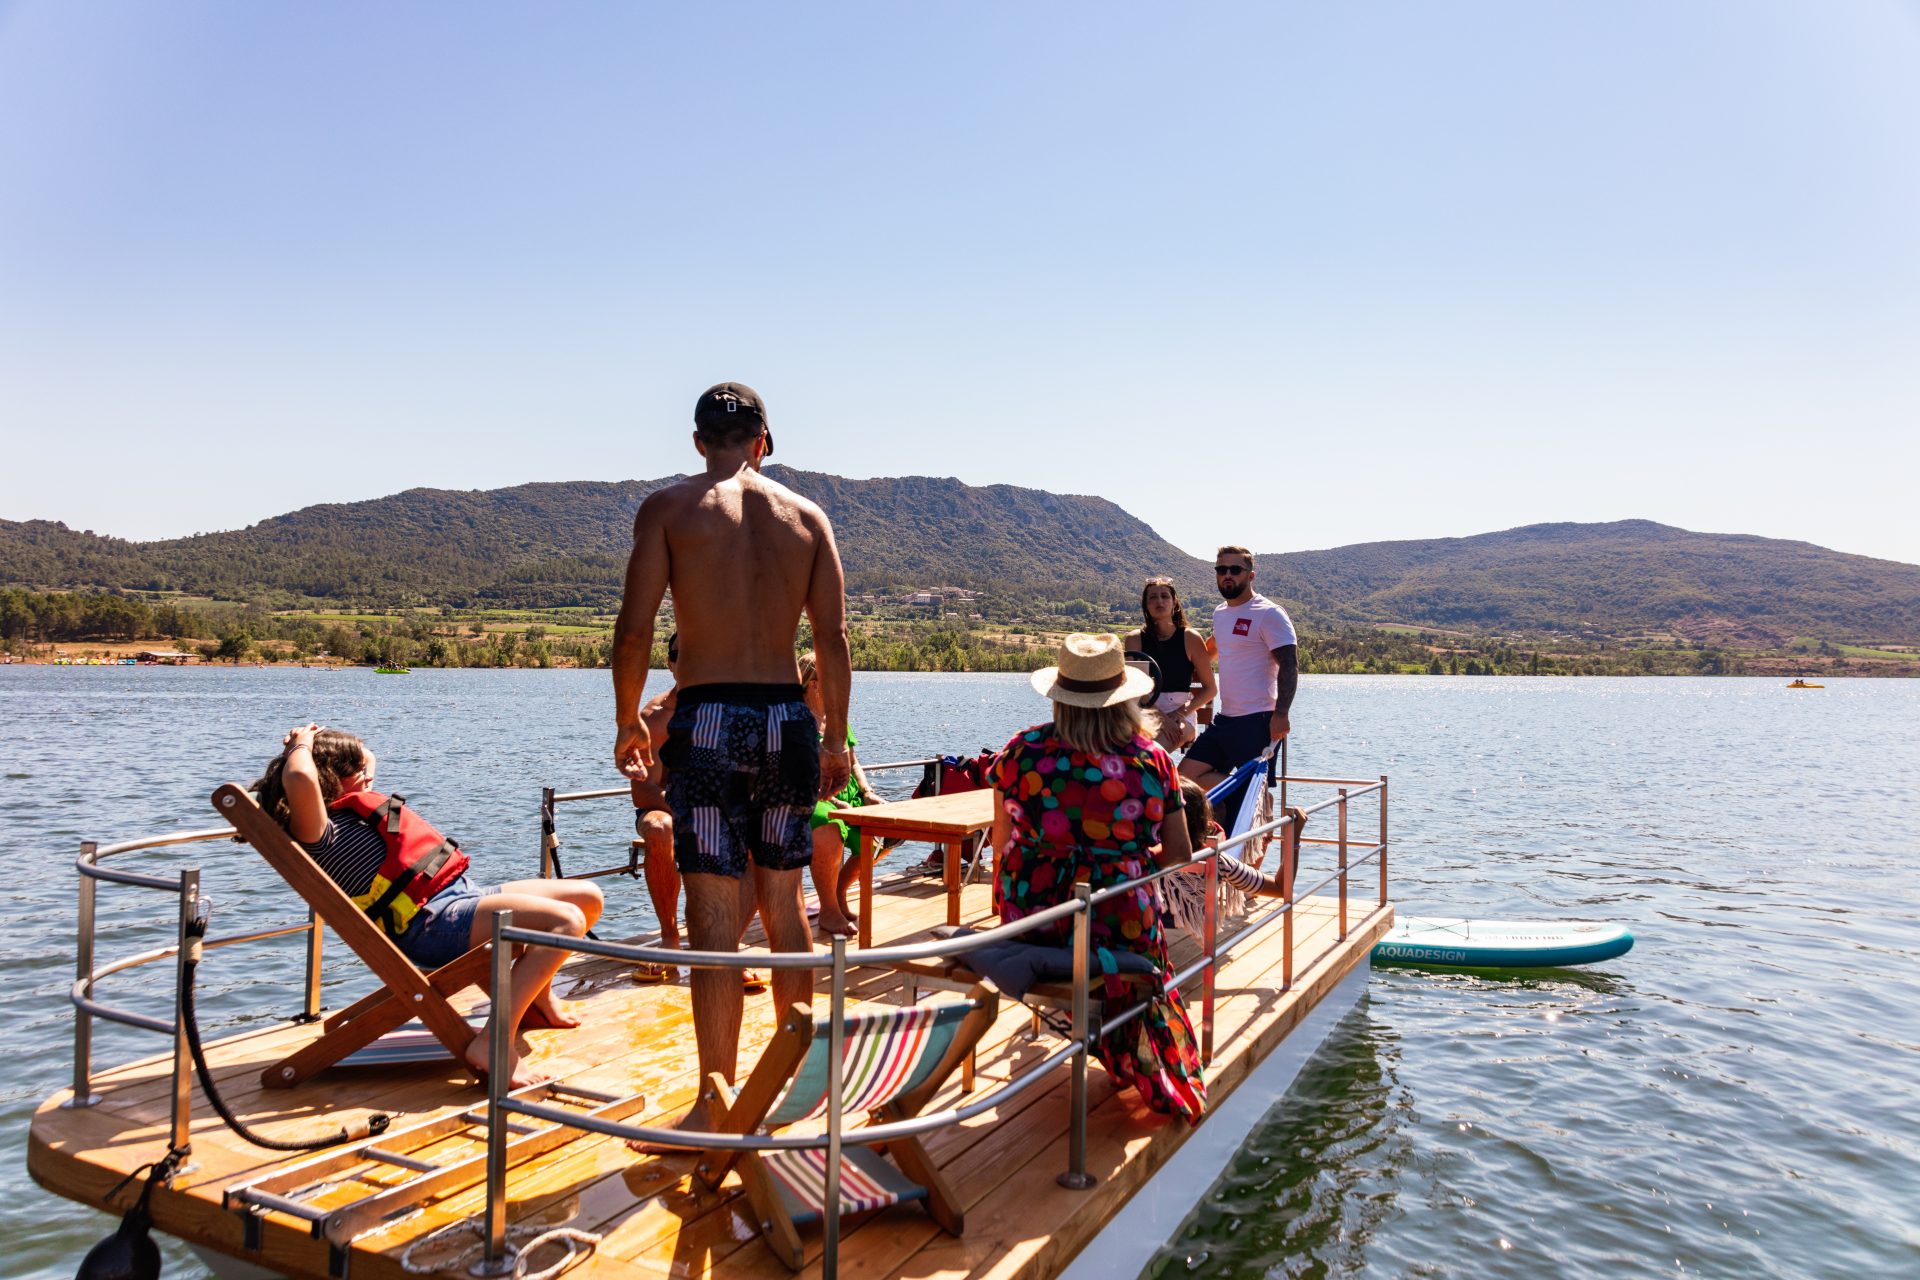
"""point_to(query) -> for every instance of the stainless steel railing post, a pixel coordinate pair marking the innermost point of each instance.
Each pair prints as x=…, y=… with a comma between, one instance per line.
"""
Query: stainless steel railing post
x=549, y=833
x=1286, y=926
x=1209, y=940
x=1383, y=839
x=83, y=972
x=1343, y=864
x=180, y=1129
x=311, y=1009
x=1076, y=1177
x=499, y=1047
x=836, y=1082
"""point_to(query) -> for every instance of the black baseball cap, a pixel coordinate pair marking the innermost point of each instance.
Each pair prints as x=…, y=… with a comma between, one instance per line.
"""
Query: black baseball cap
x=718, y=402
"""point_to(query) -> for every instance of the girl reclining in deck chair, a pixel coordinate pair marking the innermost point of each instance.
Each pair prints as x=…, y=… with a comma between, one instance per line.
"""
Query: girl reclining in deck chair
x=319, y=788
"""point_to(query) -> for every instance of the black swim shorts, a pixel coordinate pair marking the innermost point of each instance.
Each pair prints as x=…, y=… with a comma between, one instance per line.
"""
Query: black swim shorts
x=1231, y=741
x=743, y=771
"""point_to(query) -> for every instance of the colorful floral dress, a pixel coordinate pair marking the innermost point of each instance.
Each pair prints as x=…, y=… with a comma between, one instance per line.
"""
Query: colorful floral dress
x=1075, y=813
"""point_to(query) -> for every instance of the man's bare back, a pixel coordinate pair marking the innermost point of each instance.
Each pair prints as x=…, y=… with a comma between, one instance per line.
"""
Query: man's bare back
x=744, y=557
x=741, y=553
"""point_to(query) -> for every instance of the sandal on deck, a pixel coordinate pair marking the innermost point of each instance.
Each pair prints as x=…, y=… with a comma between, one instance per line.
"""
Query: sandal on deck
x=752, y=980
x=649, y=973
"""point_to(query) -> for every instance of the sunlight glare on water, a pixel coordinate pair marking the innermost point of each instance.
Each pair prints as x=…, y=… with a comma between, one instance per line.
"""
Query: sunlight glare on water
x=1730, y=1098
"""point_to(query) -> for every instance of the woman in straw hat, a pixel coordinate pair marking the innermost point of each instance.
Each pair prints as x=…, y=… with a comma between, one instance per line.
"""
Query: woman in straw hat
x=1089, y=795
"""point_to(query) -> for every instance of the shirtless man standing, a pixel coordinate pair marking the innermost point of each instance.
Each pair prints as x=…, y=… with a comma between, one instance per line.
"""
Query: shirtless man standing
x=745, y=758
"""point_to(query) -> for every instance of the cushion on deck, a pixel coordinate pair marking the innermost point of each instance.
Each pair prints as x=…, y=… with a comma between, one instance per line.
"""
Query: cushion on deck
x=405, y=1045
x=1016, y=967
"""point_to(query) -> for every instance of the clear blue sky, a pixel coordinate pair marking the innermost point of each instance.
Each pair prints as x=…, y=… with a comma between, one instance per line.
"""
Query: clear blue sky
x=1276, y=273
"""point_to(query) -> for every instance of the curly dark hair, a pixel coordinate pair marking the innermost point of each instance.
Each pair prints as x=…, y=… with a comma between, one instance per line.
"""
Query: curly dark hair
x=337, y=756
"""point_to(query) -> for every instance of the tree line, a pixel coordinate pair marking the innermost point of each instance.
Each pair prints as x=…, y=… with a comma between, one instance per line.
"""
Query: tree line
x=233, y=632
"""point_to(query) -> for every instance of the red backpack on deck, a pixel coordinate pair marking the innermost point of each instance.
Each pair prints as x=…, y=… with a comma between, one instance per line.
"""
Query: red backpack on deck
x=956, y=775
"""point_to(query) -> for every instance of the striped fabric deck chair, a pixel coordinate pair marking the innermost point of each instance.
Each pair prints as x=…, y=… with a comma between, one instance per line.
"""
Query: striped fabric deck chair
x=897, y=1059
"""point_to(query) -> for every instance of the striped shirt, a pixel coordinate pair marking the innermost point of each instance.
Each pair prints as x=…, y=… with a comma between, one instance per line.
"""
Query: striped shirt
x=350, y=851
x=1238, y=875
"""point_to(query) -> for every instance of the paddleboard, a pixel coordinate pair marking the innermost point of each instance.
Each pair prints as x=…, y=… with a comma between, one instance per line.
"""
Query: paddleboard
x=1501, y=944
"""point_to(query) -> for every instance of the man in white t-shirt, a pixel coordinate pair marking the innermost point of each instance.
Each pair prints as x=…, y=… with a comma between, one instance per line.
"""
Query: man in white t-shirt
x=1259, y=661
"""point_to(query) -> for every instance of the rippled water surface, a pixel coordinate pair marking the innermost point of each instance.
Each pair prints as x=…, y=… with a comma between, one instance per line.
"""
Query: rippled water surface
x=1734, y=1097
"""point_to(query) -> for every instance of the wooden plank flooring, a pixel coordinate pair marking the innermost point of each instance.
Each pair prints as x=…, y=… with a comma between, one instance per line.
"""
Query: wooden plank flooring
x=654, y=1219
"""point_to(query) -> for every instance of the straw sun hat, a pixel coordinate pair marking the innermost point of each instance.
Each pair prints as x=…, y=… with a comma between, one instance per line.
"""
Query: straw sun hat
x=1092, y=672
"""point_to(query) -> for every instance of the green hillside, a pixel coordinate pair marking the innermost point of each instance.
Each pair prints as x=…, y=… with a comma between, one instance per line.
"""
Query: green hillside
x=544, y=545
x=1620, y=578
x=1034, y=553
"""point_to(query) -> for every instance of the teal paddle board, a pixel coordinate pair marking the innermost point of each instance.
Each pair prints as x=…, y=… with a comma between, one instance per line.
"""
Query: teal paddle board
x=1500, y=944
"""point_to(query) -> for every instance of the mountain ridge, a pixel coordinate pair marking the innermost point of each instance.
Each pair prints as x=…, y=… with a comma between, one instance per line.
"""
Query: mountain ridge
x=551, y=543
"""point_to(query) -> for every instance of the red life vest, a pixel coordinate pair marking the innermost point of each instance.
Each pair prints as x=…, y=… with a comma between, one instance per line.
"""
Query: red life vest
x=420, y=862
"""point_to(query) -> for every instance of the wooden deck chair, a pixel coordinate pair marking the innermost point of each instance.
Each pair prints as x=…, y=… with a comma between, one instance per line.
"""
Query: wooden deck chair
x=408, y=993
x=897, y=1059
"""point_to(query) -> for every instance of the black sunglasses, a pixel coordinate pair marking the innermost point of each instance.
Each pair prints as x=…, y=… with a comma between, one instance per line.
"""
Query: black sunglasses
x=1229, y=568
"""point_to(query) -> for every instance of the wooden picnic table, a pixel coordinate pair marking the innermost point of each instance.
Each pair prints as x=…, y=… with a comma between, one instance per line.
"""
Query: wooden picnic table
x=949, y=820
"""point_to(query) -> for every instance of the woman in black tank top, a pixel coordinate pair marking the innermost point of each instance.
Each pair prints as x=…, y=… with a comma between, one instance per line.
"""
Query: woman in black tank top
x=1181, y=657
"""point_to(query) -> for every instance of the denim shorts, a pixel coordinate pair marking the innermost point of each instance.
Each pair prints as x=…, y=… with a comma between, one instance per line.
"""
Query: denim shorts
x=441, y=932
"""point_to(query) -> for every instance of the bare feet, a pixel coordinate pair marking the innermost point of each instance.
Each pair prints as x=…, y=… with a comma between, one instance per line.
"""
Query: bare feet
x=519, y=1075
x=834, y=925
x=546, y=1011
x=696, y=1120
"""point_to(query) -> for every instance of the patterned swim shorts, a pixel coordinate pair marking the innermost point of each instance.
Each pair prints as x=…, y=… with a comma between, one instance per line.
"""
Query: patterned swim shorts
x=743, y=771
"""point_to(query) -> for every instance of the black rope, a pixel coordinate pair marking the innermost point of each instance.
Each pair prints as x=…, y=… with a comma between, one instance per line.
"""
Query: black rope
x=160, y=1169
x=372, y=1126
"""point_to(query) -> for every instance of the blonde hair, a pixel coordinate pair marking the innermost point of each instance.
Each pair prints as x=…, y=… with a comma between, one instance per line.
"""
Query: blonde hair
x=1096, y=730
x=808, y=667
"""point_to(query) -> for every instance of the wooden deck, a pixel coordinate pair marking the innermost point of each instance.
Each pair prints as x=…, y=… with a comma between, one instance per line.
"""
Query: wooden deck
x=654, y=1219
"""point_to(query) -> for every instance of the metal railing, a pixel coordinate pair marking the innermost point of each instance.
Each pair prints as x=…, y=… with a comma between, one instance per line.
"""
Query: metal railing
x=838, y=961
x=185, y=886
x=551, y=800
x=840, y=958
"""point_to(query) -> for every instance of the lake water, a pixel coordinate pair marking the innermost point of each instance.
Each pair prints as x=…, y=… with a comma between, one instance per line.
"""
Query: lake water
x=1735, y=1097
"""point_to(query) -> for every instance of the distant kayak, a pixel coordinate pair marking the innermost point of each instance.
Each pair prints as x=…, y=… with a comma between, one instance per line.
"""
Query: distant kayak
x=1501, y=944
x=392, y=671
x=1802, y=684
